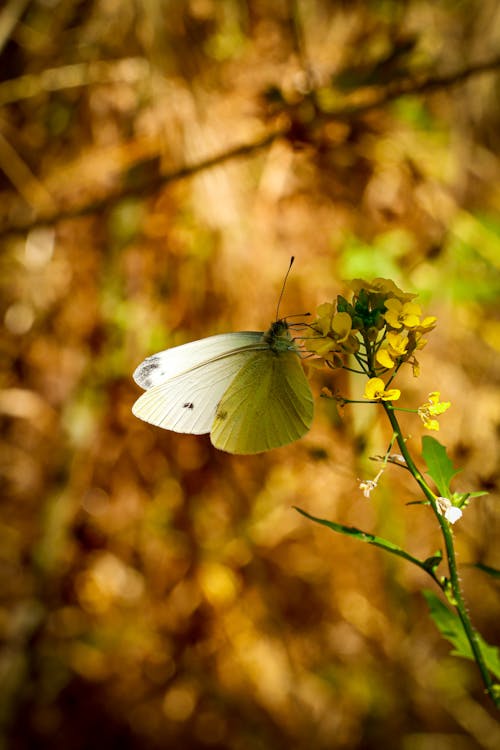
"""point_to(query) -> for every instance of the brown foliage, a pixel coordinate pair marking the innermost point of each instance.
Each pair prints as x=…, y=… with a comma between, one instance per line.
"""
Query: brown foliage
x=160, y=163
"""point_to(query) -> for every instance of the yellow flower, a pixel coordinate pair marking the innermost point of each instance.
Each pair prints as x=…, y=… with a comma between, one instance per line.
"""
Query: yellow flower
x=428, y=323
x=322, y=346
x=323, y=322
x=431, y=409
x=336, y=334
x=375, y=391
x=384, y=358
x=394, y=346
x=401, y=314
x=340, y=326
x=381, y=286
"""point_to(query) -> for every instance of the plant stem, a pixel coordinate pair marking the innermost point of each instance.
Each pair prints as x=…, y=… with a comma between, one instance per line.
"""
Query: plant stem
x=457, y=597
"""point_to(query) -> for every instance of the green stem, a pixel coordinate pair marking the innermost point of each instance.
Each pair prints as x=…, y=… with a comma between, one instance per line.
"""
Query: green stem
x=457, y=597
x=351, y=369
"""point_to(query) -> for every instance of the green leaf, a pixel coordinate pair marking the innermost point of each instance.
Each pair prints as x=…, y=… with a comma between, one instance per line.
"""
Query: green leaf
x=440, y=467
x=493, y=572
x=451, y=628
x=462, y=498
x=431, y=563
x=377, y=541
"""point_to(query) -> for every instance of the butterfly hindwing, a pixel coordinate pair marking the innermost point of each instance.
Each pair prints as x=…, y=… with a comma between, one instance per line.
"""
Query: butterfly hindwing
x=268, y=404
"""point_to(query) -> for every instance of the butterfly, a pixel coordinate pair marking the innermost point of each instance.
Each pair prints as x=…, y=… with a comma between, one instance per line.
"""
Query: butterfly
x=247, y=389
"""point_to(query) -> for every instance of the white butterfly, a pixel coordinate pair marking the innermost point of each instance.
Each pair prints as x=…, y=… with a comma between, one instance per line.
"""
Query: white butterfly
x=247, y=389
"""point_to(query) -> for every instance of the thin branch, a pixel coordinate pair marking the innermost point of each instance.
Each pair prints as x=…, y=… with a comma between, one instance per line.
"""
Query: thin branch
x=26, y=183
x=127, y=70
x=9, y=18
x=415, y=85
x=300, y=46
x=146, y=190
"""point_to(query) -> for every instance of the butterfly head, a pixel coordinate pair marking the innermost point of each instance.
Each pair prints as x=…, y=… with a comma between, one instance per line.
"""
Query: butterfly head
x=278, y=337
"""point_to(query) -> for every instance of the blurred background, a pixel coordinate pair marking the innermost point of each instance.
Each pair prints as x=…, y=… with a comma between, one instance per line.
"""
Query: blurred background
x=160, y=162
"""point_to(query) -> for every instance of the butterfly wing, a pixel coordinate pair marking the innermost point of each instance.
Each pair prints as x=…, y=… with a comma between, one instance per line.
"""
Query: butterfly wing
x=179, y=359
x=268, y=404
x=186, y=383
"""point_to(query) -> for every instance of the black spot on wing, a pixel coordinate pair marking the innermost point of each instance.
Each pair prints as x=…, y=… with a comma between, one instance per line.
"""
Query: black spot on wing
x=145, y=372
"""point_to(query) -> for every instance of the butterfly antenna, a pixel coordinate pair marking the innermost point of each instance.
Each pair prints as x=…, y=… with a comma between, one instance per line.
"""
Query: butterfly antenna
x=283, y=287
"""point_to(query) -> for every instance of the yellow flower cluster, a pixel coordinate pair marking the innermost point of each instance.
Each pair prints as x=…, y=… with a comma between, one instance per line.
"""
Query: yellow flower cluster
x=404, y=333
x=379, y=328
x=386, y=287
x=381, y=325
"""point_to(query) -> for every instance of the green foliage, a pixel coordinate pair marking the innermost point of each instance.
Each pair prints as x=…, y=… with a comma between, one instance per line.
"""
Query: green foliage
x=125, y=221
x=414, y=111
x=378, y=258
x=431, y=563
x=451, y=628
x=365, y=315
x=473, y=249
x=493, y=572
x=440, y=468
x=428, y=565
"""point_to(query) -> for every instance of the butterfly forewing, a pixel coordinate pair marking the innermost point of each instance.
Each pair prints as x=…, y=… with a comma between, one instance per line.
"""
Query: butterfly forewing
x=268, y=404
x=187, y=401
x=172, y=362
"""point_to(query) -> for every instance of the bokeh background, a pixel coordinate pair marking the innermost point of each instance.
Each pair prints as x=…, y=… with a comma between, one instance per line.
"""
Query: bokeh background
x=159, y=164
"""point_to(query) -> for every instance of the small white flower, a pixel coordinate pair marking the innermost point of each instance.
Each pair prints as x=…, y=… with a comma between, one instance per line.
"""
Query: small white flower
x=449, y=511
x=367, y=486
x=453, y=514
